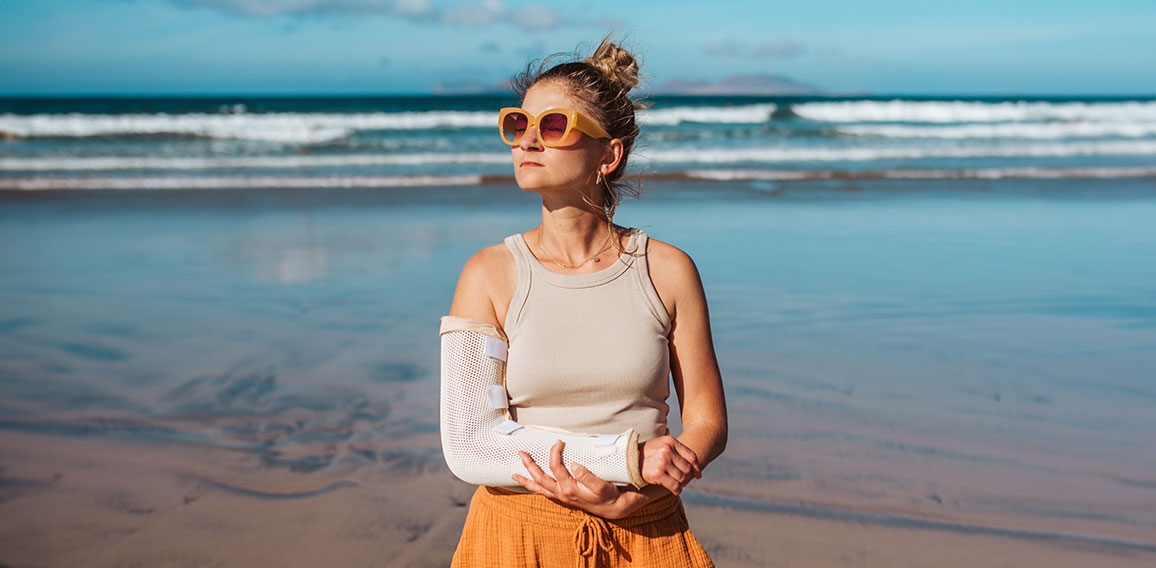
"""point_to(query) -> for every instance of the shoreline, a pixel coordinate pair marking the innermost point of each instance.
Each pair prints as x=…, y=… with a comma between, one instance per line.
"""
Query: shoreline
x=56, y=183
x=500, y=192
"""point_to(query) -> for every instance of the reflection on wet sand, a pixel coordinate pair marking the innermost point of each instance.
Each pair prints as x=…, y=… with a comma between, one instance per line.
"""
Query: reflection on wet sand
x=953, y=380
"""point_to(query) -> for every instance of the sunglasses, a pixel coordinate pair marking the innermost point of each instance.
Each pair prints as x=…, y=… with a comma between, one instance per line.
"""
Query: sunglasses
x=554, y=125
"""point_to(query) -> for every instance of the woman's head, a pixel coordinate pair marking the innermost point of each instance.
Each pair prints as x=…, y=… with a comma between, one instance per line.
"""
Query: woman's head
x=599, y=85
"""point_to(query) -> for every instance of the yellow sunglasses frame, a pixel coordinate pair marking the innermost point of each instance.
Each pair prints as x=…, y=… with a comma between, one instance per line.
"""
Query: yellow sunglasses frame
x=574, y=119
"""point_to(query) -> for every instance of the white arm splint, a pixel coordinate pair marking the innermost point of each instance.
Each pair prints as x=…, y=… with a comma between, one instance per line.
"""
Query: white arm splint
x=481, y=442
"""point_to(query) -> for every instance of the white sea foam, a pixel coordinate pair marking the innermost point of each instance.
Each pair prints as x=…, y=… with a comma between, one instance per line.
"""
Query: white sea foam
x=866, y=154
x=742, y=114
x=252, y=162
x=231, y=182
x=983, y=173
x=973, y=111
x=778, y=154
x=304, y=128
x=324, y=182
x=295, y=128
x=1038, y=130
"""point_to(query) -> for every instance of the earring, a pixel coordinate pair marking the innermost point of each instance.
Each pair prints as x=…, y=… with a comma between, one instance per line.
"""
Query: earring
x=598, y=179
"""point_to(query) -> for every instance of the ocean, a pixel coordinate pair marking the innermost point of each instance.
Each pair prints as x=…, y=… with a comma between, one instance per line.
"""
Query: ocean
x=247, y=142
x=935, y=321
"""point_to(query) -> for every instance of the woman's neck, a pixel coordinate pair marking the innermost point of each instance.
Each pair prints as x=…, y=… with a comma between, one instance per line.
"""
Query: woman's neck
x=572, y=236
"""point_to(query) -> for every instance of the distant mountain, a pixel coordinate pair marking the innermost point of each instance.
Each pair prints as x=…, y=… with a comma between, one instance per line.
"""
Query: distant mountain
x=756, y=84
x=468, y=87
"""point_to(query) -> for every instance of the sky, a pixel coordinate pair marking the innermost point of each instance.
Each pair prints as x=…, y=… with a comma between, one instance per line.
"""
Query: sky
x=223, y=47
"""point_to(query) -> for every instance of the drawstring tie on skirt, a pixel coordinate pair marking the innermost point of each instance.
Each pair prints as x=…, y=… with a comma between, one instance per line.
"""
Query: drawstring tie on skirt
x=507, y=528
x=591, y=536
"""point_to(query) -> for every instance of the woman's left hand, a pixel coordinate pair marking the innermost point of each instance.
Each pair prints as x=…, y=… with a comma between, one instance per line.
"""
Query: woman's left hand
x=583, y=489
x=668, y=462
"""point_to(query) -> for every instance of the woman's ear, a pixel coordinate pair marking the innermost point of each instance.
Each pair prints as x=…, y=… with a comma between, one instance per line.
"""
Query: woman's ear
x=612, y=157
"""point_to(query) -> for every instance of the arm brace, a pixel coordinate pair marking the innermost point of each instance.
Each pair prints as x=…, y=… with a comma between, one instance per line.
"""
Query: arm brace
x=481, y=442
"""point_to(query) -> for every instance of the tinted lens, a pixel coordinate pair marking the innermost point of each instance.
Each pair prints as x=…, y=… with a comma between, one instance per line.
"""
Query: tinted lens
x=552, y=127
x=514, y=127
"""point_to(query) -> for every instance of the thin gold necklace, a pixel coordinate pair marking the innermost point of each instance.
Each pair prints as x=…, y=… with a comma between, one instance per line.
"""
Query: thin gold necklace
x=596, y=257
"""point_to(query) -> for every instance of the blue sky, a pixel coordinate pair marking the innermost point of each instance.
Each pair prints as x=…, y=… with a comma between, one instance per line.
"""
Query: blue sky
x=411, y=46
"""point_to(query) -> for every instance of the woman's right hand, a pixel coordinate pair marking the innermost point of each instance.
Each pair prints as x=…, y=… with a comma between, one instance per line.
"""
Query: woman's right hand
x=669, y=463
x=583, y=489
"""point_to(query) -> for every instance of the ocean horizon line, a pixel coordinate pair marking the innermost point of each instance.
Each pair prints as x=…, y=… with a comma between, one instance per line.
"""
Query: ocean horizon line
x=643, y=93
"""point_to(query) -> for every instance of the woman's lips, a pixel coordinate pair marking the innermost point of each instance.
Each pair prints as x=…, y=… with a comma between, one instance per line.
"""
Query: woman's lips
x=529, y=164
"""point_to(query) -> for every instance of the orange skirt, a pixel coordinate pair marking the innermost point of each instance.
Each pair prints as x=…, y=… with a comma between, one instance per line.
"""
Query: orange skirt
x=509, y=529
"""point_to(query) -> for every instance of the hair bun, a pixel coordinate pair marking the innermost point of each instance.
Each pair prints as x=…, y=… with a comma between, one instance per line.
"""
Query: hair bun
x=617, y=65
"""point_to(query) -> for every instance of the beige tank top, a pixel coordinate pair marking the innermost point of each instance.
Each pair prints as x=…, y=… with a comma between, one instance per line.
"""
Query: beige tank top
x=588, y=353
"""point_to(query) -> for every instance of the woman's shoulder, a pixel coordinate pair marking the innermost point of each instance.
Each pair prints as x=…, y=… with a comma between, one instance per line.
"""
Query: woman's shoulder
x=673, y=273
x=490, y=263
x=486, y=276
x=666, y=257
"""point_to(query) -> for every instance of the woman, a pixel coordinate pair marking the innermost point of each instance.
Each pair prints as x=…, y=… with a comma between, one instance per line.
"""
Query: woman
x=598, y=317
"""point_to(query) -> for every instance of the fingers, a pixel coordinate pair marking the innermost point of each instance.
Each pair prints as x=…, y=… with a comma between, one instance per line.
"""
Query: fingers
x=582, y=488
x=596, y=486
x=661, y=471
x=532, y=485
x=581, y=484
x=559, y=483
x=567, y=488
x=669, y=463
x=690, y=457
x=598, y=496
x=687, y=465
x=532, y=466
x=540, y=479
x=561, y=486
x=684, y=458
x=671, y=484
x=561, y=474
x=679, y=467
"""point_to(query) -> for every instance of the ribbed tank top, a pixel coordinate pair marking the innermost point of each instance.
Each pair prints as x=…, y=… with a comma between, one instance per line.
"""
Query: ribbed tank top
x=588, y=352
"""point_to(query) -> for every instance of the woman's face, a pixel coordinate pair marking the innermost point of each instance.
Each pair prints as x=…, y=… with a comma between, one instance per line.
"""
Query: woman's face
x=571, y=166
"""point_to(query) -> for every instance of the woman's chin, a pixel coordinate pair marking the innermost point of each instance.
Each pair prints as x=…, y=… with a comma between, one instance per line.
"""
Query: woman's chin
x=530, y=182
x=539, y=184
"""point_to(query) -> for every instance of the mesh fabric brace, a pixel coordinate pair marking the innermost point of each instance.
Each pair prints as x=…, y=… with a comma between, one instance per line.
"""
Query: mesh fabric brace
x=479, y=440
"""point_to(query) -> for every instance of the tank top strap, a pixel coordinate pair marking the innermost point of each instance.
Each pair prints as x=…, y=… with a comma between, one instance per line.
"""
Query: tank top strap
x=642, y=271
x=522, y=259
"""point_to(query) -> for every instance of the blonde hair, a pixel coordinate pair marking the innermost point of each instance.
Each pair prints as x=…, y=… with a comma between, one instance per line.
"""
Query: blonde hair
x=603, y=82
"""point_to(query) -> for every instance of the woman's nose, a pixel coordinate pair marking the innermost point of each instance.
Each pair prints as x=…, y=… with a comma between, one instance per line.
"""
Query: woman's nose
x=530, y=140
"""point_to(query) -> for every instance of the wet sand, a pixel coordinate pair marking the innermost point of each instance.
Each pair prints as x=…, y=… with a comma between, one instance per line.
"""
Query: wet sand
x=69, y=502
x=918, y=374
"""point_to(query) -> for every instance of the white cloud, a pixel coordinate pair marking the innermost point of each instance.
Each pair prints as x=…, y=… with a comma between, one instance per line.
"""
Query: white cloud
x=532, y=17
x=413, y=8
x=537, y=17
x=405, y=8
x=474, y=14
x=780, y=48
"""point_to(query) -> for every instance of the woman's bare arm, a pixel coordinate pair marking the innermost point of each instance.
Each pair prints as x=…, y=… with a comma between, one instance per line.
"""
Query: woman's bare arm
x=693, y=364
x=485, y=286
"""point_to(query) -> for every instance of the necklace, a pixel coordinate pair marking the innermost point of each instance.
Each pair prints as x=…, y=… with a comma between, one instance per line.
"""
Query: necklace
x=596, y=257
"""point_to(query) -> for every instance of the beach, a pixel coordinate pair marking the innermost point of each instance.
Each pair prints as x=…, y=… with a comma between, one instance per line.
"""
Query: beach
x=950, y=371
